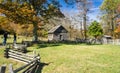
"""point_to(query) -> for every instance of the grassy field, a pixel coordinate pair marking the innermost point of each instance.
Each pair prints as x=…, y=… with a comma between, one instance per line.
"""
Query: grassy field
x=19, y=39
x=80, y=58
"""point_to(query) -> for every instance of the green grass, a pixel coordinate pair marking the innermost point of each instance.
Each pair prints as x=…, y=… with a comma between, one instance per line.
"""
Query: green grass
x=19, y=39
x=80, y=58
x=63, y=58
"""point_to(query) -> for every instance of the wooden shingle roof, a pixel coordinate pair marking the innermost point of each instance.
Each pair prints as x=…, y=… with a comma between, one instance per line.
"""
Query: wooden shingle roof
x=55, y=28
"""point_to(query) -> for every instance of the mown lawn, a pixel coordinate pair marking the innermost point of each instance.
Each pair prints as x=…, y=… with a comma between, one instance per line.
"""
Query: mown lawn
x=19, y=39
x=80, y=58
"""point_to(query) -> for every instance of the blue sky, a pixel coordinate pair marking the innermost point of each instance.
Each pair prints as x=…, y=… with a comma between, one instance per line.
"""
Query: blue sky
x=93, y=15
x=96, y=10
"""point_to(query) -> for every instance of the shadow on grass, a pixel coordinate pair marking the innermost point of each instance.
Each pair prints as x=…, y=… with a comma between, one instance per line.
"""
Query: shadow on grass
x=40, y=66
x=47, y=45
x=36, y=68
x=29, y=51
x=43, y=44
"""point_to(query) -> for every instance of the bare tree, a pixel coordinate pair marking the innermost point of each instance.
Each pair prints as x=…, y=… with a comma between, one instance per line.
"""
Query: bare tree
x=83, y=7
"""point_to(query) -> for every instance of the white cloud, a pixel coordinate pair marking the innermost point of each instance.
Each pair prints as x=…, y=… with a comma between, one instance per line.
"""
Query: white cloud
x=94, y=14
x=70, y=12
x=93, y=9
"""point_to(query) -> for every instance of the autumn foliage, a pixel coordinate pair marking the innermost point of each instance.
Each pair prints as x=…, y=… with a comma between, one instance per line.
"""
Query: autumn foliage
x=118, y=21
x=30, y=12
x=20, y=13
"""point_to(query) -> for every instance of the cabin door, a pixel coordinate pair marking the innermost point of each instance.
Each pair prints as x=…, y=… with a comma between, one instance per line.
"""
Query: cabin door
x=61, y=37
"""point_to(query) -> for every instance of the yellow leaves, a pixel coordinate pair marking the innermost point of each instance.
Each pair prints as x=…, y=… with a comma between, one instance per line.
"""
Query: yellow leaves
x=32, y=8
x=118, y=20
x=26, y=29
x=1, y=11
x=117, y=29
x=26, y=10
x=0, y=1
x=35, y=18
x=109, y=5
x=118, y=9
x=4, y=23
x=19, y=13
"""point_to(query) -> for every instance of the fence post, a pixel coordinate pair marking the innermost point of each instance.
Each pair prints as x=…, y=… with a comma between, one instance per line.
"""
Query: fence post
x=34, y=54
x=6, y=55
x=11, y=68
x=38, y=56
x=2, y=69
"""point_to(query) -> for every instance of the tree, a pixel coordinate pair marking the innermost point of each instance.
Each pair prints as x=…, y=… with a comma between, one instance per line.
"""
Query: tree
x=30, y=12
x=6, y=25
x=10, y=27
x=95, y=29
x=109, y=9
x=117, y=32
x=83, y=7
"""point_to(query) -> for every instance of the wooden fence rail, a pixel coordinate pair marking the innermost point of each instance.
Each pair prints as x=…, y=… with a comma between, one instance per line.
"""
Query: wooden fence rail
x=31, y=60
x=31, y=64
x=19, y=56
x=112, y=41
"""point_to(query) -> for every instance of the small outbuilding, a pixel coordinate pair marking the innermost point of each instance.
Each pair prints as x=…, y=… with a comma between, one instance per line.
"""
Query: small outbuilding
x=107, y=39
x=58, y=33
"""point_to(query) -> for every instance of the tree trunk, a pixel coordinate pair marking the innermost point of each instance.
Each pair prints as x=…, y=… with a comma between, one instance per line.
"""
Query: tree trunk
x=84, y=23
x=112, y=24
x=35, y=35
x=85, y=18
x=112, y=15
x=81, y=30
